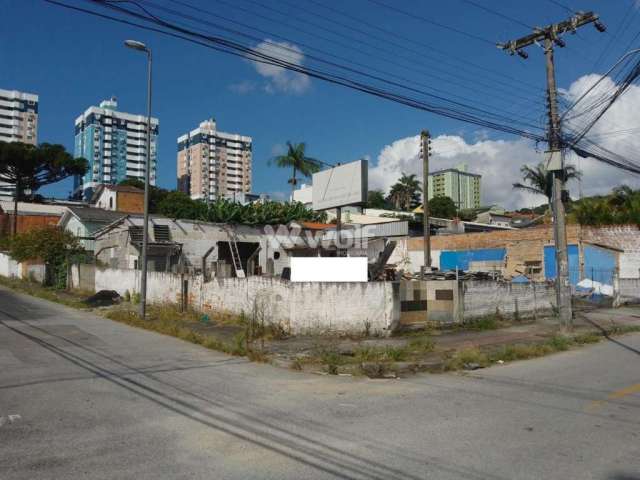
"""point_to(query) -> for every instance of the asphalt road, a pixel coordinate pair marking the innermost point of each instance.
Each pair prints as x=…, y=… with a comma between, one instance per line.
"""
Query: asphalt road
x=82, y=397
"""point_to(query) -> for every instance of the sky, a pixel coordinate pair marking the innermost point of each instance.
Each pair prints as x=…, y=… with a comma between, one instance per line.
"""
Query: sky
x=72, y=61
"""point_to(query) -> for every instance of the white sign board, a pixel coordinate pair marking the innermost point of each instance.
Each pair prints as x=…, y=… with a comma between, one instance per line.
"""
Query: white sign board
x=329, y=269
x=340, y=186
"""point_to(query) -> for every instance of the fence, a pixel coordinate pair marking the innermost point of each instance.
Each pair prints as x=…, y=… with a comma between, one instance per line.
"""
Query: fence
x=486, y=297
x=28, y=270
x=629, y=290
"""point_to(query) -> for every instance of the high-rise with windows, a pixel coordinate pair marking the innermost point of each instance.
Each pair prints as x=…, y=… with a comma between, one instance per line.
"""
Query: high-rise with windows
x=213, y=164
x=114, y=144
x=458, y=184
x=18, y=122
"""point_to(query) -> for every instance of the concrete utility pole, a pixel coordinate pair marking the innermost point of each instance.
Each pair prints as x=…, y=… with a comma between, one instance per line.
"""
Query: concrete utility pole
x=135, y=45
x=549, y=36
x=425, y=150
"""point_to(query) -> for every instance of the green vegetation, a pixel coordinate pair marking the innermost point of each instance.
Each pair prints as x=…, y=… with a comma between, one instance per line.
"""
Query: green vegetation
x=442, y=207
x=180, y=205
x=56, y=248
x=540, y=181
x=621, y=206
x=70, y=299
x=29, y=168
x=169, y=320
x=296, y=158
x=375, y=199
x=405, y=193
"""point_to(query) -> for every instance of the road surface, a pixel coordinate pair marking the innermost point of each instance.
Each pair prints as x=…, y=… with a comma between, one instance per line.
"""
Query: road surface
x=82, y=397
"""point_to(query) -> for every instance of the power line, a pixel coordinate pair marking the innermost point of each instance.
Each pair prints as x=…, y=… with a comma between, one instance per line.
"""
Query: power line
x=475, y=83
x=431, y=22
x=445, y=56
x=496, y=13
x=352, y=70
x=231, y=47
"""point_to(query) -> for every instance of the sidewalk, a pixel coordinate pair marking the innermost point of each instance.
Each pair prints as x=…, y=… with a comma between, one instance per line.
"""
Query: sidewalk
x=440, y=350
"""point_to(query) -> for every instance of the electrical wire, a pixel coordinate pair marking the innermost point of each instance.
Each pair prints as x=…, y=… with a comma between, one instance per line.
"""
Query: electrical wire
x=234, y=48
x=497, y=13
x=432, y=22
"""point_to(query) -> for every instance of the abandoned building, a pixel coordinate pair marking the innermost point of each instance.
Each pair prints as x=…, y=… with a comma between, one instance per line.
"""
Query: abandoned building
x=225, y=250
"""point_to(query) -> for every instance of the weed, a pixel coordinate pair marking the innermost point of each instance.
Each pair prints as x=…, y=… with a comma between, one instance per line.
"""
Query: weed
x=560, y=343
x=127, y=296
x=135, y=298
x=489, y=322
x=587, y=338
x=421, y=345
x=467, y=356
x=296, y=364
x=395, y=354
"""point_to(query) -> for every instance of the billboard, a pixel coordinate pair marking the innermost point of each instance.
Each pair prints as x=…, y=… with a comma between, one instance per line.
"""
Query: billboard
x=329, y=269
x=341, y=186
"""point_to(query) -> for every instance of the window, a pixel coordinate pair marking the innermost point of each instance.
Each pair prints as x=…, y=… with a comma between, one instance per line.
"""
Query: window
x=110, y=203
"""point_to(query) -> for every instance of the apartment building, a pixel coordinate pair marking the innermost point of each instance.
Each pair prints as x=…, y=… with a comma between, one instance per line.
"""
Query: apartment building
x=213, y=164
x=18, y=122
x=114, y=144
x=458, y=184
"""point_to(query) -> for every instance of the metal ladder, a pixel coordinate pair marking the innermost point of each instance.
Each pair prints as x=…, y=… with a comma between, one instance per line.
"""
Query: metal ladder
x=235, y=257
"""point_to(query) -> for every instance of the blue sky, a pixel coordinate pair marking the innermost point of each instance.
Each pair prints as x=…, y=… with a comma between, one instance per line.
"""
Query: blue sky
x=73, y=61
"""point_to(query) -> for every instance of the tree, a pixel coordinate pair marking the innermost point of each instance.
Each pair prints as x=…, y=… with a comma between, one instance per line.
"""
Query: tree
x=375, y=199
x=540, y=181
x=180, y=205
x=29, y=167
x=54, y=246
x=405, y=193
x=297, y=159
x=156, y=194
x=442, y=207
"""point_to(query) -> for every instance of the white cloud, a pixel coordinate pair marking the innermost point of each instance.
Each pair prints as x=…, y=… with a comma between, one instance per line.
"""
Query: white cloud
x=280, y=79
x=499, y=161
x=242, y=88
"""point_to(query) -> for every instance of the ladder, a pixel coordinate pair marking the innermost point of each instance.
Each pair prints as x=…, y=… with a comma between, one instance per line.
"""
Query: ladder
x=235, y=257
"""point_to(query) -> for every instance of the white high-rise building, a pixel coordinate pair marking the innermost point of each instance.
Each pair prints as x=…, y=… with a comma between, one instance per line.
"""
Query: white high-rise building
x=114, y=144
x=213, y=164
x=18, y=122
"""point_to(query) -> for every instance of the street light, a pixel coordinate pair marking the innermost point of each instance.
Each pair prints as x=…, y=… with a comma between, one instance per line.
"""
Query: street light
x=135, y=45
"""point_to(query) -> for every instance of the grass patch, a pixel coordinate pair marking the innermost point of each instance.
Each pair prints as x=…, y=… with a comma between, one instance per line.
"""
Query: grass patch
x=70, y=299
x=169, y=320
x=490, y=322
x=465, y=357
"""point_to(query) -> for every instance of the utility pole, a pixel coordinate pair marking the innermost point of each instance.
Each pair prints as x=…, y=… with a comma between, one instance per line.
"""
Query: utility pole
x=425, y=150
x=550, y=36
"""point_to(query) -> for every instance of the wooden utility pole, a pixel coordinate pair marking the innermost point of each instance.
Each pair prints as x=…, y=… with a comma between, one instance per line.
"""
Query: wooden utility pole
x=550, y=36
x=425, y=150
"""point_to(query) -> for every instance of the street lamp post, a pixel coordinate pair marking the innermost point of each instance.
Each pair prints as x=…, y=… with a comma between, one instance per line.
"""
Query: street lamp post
x=145, y=231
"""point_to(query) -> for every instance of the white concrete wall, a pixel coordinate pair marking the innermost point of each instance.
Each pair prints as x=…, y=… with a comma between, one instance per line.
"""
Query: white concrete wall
x=630, y=265
x=486, y=297
x=9, y=267
x=299, y=307
x=629, y=289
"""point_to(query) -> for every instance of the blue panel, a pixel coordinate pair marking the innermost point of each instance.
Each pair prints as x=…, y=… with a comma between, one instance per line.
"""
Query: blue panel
x=550, y=263
x=599, y=264
x=450, y=260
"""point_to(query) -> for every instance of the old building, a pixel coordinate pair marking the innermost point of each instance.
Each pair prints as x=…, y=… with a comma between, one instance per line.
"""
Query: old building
x=118, y=198
x=84, y=221
x=594, y=252
x=31, y=216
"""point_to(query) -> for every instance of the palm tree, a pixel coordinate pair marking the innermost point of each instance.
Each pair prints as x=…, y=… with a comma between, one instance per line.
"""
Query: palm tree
x=405, y=193
x=539, y=180
x=296, y=159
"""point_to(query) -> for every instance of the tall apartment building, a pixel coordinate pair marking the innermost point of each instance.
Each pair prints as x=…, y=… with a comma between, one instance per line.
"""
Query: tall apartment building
x=114, y=144
x=213, y=164
x=458, y=184
x=18, y=122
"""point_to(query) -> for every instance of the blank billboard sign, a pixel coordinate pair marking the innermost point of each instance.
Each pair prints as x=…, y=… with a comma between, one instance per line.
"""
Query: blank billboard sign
x=329, y=269
x=341, y=186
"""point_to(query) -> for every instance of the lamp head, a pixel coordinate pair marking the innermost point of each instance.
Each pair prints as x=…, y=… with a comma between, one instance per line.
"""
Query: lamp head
x=134, y=44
